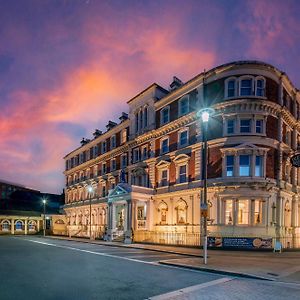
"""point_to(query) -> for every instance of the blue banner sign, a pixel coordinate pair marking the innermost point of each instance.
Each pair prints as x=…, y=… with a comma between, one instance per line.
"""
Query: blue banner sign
x=239, y=242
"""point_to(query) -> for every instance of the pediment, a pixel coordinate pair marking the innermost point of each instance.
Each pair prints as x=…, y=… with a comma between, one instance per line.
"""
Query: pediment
x=120, y=189
x=162, y=164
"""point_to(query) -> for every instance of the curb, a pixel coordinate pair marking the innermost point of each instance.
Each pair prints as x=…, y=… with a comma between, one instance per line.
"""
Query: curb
x=124, y=246
x=216, y=271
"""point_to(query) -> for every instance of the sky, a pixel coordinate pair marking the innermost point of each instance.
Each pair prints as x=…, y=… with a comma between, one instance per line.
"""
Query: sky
x=69, y=66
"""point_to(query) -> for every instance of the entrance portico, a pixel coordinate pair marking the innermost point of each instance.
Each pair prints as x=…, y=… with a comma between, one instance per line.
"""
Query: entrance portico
x=128, y=210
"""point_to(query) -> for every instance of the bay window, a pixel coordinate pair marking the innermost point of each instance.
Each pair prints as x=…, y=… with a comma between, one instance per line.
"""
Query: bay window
x=245, y=125
x=258, y=211
x=230, y=126
x=231, y=88
x=260, y=88
x=244, y=165
x=243, y=212
x=258, y=166
x=259, y=126
x=228, y=212
x=229, y=165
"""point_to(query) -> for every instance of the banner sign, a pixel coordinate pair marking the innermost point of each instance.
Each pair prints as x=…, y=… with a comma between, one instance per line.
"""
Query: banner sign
x=239, y=243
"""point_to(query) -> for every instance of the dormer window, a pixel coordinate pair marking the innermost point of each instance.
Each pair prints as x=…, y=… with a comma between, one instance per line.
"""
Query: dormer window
x=183, y=106
x=231, y=87
x=165, y=115
x=260, y=87
x=246, y=87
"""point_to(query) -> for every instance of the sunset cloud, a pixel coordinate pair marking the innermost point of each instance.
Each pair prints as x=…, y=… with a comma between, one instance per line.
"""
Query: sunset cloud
x=68, y=67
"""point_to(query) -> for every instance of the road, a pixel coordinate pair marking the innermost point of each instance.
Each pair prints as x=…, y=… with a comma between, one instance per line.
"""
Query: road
x=40, y=268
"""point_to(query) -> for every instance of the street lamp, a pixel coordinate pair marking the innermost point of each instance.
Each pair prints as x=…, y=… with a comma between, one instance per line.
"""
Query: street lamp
x=205, y=115
x=90, y=190
x=44, y=219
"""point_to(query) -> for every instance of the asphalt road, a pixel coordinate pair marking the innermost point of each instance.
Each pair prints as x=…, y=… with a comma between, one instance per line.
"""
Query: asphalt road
x=37, y=268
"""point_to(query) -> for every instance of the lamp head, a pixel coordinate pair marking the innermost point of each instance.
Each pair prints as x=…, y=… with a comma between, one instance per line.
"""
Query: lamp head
x=90, y=189
x=205, y=116
x=44, y=201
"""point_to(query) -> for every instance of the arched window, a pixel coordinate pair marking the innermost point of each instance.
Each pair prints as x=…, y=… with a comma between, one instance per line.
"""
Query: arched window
x=31, y=225
x=59, y=221
x=230, y=87
x=181, y=212
x=259, y=87
x=183, y=106
x=162, y=210
x=246, y=86
x=19, y=225
x=5, y=225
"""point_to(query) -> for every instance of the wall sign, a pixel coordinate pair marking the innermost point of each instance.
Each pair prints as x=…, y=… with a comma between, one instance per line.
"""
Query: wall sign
x=240, y=242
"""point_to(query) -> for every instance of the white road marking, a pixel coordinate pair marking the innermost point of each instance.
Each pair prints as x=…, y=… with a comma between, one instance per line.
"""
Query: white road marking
x=154, y=263
x=190, y=289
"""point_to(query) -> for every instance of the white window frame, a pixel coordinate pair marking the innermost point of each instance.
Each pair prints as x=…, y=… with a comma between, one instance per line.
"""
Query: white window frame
x=167, y=179
x=179, y=137
x=234, y=126
x=235, y=87
x=113, y=138
x=113, y=164
x=184, y=98
x=122, y=161
x=246, y=77
x=161, y=145
x=166, y=108
x=264, y=86
x=104, y=147
x=250, y=125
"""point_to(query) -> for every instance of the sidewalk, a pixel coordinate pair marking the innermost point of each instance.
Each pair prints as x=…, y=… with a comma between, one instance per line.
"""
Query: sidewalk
x=263, y=265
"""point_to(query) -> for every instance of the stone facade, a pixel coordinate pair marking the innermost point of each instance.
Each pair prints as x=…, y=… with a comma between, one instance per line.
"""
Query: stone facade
x=142, y=178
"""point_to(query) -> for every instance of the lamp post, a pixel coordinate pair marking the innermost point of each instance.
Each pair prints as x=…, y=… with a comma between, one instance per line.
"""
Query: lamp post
x=44, y=219
x=205, y=114
x=90, y=190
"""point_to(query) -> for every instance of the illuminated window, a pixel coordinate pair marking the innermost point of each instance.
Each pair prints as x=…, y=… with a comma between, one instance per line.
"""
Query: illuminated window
x=258, y=210
x=229, y=212
x=124, y=136
x=243, y=212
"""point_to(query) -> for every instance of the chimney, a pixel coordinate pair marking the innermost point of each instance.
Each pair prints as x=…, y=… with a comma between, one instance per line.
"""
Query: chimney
x=123, y=117
x=110, y=125
x=176, y=83
x=97, y=133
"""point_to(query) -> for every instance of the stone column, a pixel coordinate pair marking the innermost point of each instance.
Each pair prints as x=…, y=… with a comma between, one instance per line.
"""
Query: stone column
x=26, y=224
x=294, y=211
x=110, y=222
x=12, y=226
x=128, y=233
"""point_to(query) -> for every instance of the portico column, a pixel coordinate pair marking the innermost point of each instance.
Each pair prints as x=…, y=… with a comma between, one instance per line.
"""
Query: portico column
x=110, y=222
x=128, y=233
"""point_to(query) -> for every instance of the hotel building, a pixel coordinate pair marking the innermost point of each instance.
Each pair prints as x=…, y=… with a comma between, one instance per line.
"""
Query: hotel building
x=142, y=179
